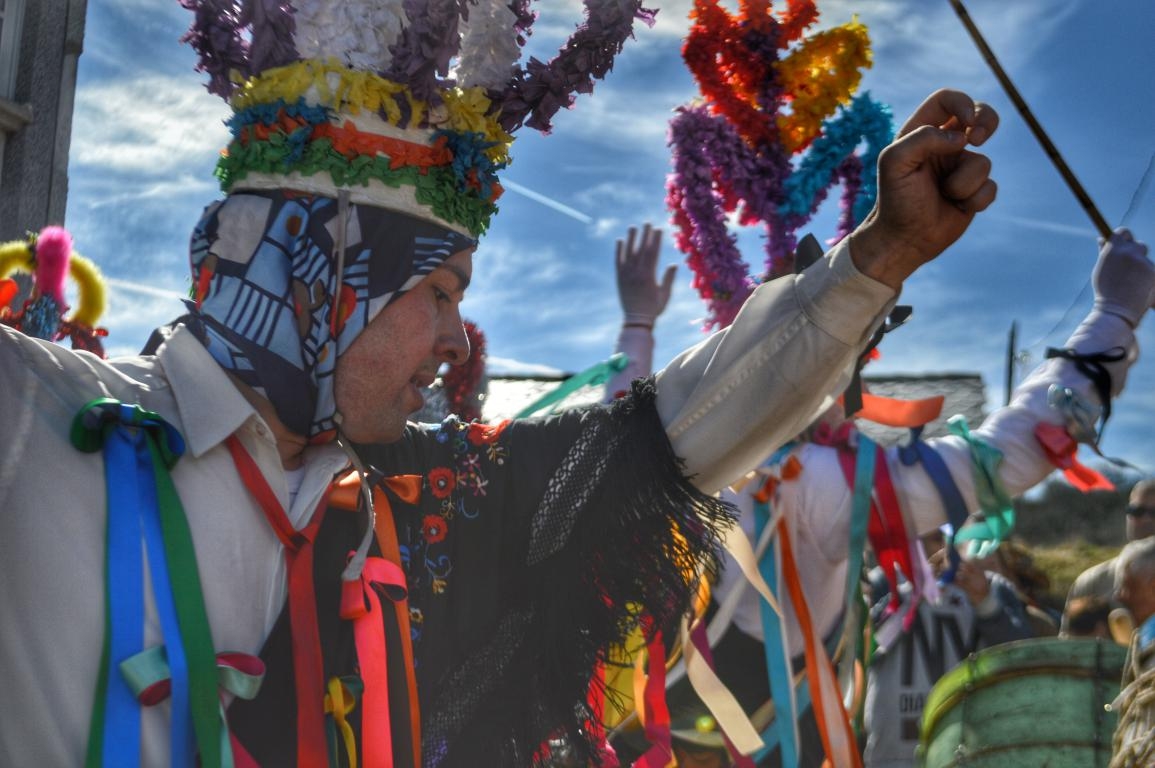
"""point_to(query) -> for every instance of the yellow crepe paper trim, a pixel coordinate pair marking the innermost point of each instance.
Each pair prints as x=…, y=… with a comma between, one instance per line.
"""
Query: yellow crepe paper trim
x=345, y=90
x=821, y=74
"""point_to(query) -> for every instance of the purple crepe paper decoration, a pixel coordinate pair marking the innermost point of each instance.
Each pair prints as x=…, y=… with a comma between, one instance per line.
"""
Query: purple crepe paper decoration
x=850, y=174
x=215, y=35
x=525, y=19
x=536, y=93
x=422, y=53
x=699, y=141
x=273, y=26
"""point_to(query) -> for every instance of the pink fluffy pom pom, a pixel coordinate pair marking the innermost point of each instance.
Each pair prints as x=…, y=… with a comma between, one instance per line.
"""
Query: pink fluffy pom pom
x=53, y=249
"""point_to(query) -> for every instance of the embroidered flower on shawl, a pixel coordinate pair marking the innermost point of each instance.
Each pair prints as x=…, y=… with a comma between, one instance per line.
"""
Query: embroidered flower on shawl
x=442, y=481
x=486, y=434
x=434, y=528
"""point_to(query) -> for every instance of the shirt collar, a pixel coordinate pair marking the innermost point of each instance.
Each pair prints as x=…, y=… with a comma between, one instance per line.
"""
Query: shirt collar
x=211, y=407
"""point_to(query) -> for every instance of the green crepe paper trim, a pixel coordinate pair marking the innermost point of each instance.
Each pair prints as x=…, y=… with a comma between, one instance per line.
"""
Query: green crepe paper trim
x=436, y=186
x=995, y=502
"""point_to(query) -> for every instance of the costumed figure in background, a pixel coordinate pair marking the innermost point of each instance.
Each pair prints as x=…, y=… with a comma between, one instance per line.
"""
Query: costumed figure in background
x=408, y=616
x=47, y=259
x=821, y=498
x=810, y=510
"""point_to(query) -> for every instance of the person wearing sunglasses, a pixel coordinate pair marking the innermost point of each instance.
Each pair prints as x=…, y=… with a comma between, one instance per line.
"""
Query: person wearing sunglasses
x=1098, y=581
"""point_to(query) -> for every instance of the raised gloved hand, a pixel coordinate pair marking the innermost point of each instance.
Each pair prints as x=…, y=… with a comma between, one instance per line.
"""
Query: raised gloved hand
x=1124, y=278
x=642, y=297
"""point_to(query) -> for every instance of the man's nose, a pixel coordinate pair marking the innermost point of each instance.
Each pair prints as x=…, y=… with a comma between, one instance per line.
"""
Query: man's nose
x=453, y=344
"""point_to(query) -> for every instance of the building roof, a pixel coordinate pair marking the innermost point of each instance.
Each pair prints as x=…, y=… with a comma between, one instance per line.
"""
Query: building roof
x=964, y=393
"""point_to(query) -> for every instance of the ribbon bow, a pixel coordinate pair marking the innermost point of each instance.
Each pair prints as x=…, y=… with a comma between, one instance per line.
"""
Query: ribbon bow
x=998, y=510
x=150, y=679
x=361, y=604
x=139, y=450
x=1061, y=448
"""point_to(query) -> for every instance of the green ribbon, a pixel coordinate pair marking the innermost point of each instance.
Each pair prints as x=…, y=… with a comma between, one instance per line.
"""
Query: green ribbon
x=90, y=427
x=998, y=509
x=595, y=375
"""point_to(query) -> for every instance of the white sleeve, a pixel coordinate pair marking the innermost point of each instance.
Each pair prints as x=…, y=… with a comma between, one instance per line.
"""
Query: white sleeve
x=637, y=344
x=729, y=401
x=1011, y=429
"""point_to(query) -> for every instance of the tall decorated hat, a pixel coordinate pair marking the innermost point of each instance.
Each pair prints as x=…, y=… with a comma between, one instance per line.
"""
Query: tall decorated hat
x=410, y=105
x=776, y=127
x=367, y=138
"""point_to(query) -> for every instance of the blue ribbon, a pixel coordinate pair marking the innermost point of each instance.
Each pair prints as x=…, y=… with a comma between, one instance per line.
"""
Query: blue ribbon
x=124, y=432
x=125, y=595
x=918, y=452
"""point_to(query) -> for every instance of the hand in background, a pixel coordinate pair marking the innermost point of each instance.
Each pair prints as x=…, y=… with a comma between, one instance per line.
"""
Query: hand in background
x=1124, y=278
x=641, y=296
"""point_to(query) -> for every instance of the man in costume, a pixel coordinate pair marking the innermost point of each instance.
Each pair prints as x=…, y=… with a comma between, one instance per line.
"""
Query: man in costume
x=192, y=497
x=807, y=493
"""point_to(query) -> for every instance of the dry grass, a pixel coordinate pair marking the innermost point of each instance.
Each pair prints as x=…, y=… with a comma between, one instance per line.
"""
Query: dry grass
x=1063, y=562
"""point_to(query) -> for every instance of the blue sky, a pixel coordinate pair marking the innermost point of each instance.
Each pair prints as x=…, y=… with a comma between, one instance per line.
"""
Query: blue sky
x=146, y=135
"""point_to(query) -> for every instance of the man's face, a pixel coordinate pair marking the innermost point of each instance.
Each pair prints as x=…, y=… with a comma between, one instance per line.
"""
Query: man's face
x=1136, y=591
x=1141, y=513
x=380, y=375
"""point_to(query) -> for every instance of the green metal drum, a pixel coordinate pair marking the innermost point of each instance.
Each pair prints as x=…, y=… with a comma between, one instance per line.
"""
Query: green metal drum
x=1028, y=704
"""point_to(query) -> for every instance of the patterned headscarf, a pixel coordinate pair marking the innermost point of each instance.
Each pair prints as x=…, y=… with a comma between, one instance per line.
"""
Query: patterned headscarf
x=266, y=267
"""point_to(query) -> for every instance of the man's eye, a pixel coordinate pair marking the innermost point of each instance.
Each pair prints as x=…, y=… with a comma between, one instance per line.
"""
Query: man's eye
x=440, y=294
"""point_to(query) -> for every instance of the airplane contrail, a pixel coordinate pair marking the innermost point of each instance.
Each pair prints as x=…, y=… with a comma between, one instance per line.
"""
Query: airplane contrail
x=549, y=202
x=149, y=290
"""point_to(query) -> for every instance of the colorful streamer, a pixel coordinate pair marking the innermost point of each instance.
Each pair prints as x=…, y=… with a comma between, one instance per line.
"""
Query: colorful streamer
x=742, y=150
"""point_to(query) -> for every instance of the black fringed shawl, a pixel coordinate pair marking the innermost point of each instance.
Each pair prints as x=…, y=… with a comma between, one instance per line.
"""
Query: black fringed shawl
x=531, y=546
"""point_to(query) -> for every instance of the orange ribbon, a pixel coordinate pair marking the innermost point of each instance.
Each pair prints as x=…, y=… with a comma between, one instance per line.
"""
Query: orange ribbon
x=899, y=413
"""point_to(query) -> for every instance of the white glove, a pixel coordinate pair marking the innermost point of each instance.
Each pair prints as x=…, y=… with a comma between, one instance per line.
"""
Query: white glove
x=642, y=298
x=1124, y=278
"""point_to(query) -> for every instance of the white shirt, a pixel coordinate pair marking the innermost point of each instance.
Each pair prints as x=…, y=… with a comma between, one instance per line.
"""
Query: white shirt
x=726, y=403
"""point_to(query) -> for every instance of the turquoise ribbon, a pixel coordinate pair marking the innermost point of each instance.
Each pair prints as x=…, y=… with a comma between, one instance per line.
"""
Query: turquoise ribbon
x=595, y=375
x=998, y=510
x=139, y=449
x=781, y=731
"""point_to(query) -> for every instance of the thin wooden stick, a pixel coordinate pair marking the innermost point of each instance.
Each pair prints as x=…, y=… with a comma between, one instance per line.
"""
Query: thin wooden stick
x=1048, y=147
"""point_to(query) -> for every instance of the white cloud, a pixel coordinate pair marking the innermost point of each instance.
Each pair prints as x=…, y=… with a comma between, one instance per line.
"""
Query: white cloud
x=508, y=366
x=154, y=126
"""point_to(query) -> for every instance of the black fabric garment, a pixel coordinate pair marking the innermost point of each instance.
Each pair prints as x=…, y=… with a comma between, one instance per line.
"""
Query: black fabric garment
x=531, y=546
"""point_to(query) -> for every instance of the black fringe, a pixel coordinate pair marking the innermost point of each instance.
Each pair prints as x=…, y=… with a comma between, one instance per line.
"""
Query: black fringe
x=643, y=534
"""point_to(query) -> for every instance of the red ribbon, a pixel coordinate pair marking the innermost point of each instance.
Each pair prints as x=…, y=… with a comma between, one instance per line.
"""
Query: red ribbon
x=886, y=528
x=370, y=641
x=361, y=604
x=657, y=714
x=312, y=749
x=1060, y=449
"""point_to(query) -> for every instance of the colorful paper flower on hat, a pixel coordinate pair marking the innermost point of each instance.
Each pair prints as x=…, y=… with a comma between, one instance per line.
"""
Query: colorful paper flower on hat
x=410, y=102
x=777, y=126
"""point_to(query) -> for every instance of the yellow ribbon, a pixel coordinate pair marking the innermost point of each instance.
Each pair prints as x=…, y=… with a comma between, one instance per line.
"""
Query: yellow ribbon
x=339, y=702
